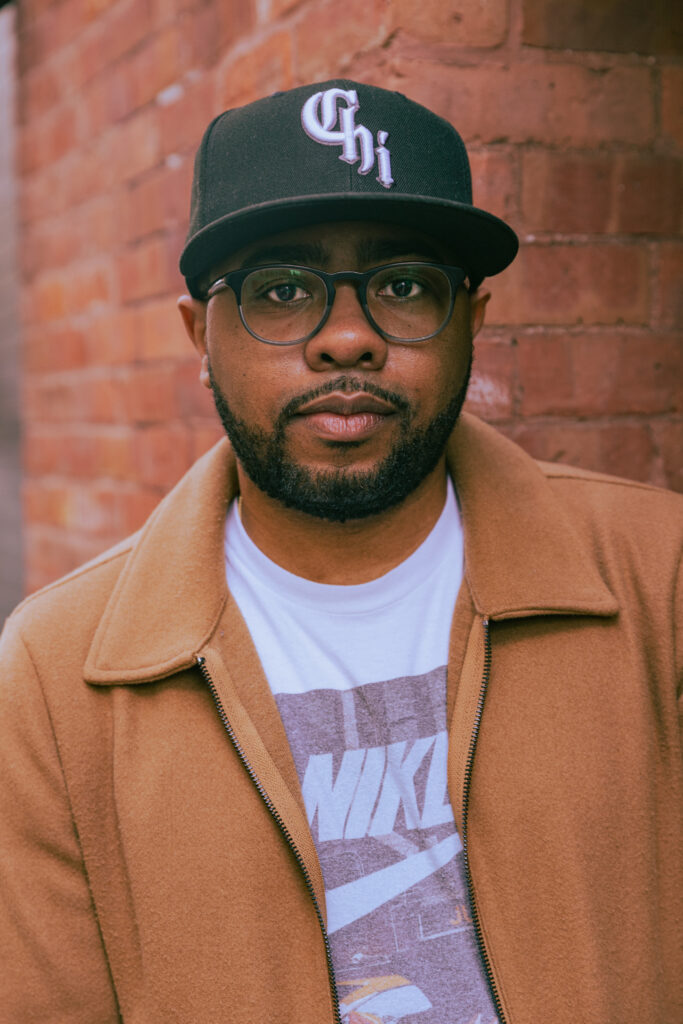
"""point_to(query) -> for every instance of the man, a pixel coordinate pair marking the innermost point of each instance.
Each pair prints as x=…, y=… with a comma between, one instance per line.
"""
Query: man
x=375, y=719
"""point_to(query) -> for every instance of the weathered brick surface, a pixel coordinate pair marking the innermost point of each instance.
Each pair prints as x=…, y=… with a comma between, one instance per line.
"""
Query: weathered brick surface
x=672, y=106
x=574, y=122
x=573, y=283
x=462, y=23
x=640, y=26
x=599, y=193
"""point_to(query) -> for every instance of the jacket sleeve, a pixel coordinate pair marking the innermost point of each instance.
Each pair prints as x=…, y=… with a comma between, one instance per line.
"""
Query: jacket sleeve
x=54, y=966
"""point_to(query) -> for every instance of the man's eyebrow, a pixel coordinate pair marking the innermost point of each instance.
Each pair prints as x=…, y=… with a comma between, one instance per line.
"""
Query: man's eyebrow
x=378, y=250
x=304, y=254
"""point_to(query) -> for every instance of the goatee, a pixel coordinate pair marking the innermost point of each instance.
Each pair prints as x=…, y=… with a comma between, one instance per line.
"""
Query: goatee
x=341, y=494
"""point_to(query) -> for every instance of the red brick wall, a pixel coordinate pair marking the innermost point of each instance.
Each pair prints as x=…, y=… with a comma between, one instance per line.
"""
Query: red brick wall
x=571, y=110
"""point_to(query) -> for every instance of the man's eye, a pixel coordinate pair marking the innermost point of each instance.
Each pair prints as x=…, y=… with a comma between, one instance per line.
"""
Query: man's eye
x=401, y=288
x=285, y=292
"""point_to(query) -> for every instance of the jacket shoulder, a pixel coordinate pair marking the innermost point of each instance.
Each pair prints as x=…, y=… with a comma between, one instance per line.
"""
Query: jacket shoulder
x=601, y=492
x=77, y=598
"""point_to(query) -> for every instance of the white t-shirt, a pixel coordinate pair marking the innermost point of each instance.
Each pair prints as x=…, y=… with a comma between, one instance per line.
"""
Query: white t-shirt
x=359, y=676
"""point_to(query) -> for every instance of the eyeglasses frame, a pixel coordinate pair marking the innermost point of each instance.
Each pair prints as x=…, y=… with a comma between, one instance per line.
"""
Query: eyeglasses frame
x=235, y=279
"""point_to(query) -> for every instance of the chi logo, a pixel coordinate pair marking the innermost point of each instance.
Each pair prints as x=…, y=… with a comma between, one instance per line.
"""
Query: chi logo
x=319, y=116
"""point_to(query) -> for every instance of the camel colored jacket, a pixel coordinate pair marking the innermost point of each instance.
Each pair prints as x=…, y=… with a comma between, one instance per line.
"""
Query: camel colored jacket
x=156, y=864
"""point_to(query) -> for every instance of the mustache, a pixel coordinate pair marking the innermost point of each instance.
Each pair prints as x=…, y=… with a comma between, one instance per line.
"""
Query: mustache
x=343, y=383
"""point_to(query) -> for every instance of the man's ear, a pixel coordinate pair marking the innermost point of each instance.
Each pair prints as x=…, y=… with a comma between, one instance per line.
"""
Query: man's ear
x=193, y=313
x=478, y=301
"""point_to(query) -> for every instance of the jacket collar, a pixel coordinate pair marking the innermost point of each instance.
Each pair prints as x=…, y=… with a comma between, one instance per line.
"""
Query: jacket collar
x=522, y=555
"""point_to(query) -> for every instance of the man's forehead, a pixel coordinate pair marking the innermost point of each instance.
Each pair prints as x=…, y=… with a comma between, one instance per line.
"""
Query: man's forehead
x=321, y=244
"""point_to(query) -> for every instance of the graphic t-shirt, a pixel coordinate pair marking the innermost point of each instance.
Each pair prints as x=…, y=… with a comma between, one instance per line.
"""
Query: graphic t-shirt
x=359, y=677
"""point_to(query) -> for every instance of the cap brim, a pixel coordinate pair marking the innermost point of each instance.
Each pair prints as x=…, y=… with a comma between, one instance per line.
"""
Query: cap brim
x=483, y=243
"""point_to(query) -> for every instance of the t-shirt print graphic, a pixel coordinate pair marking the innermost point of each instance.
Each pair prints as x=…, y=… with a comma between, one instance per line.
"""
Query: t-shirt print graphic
x=372, y=766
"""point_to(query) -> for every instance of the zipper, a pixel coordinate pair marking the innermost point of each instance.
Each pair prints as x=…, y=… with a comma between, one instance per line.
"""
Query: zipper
x=483, y=952
x=201, y=662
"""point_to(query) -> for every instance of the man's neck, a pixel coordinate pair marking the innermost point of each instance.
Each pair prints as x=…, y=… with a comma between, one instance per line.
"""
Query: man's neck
x=355, y=551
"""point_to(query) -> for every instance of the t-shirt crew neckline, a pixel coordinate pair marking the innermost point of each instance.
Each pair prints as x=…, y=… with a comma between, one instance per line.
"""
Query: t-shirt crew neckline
x=343, y=599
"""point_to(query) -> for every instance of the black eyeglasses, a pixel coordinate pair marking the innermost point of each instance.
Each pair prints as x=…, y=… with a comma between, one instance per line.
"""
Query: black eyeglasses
x=283, y=305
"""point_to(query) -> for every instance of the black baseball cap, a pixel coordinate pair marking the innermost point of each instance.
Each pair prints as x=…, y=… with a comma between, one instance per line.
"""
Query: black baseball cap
x=336, y=151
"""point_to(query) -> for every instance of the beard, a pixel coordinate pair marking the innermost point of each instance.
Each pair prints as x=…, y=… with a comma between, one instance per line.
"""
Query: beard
x=340, y=494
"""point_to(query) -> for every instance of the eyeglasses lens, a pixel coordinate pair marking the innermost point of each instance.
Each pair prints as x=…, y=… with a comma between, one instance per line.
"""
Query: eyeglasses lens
x=285, y=304
x=410, y=301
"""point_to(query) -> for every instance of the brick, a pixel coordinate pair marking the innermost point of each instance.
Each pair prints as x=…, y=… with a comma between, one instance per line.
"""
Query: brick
x=116, y=455
x=155, y=65
x=143, y=207
x=89, y=285
x=668, y=439
x=599, y=193
x=45, y=503
x=162, y=455
x=624, y=449
x=110, y=337
x=491, y=391
x=668, y=299
x=159, y=333
x=259, y=71
x=494, y=184
x=276, y=8
x=60, y=450
x=90, y=511
x=183, y=120
x=106, y=400
x=462, y=24
x=649, y=195
x=136, y=146
x=39, y=93
x=572, y=284
x=672, y=105
x=156, y=201
x=50, y=244
x=559, y=103
x=622, y=26
x=567, y=192
x=627, y=450
x=60, y=133
x=600, y=373
x=203, y=437
x=201, y=34
x=124, y=27
x=192, y=399
x=331, y=34
x=87, y=174
x=38, y=450
x=48, y=139
x=80, y=451
x=143, y=271
x=174, y=239
x=45, y=558
x=133, y=508
x=49, y=350
x=236, y=20
x=49, y=301
x=100, y=224
x=177, y=188
x=56, y=399
x=150, y=394
x=56, y=28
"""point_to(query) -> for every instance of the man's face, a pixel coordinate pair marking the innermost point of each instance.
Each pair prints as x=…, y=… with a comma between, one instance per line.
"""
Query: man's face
x=346, y=424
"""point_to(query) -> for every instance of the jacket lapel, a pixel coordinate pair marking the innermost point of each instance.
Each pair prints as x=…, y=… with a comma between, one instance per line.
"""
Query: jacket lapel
x=523, y=555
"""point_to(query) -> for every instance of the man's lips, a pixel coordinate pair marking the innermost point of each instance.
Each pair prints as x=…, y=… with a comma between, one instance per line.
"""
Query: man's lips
x=342, y=416
x=343, y=404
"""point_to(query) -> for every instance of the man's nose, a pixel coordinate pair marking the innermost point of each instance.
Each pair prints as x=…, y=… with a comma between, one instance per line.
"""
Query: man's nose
x=347, y=339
